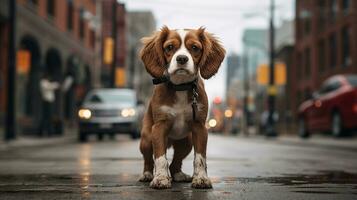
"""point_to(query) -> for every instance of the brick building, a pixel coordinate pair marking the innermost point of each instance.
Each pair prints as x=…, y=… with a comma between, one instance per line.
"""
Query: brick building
x=326, y=44
x=116, y=30
x=284, y=46
x=60, y=41
x=140, y=24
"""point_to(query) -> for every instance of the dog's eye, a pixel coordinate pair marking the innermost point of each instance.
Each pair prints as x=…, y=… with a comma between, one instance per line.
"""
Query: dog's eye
x=195, y=48
x=170, y=47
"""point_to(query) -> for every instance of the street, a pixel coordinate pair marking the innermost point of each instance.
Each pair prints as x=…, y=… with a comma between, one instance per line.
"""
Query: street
x=273, y=82
x=239, y=167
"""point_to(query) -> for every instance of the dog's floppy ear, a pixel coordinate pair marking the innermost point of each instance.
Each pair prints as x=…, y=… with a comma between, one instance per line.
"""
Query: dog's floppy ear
x=212, y=55
x=152, y=53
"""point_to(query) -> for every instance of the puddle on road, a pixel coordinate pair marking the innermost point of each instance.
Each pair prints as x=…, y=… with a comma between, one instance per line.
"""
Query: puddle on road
x=302, y=183
x=320, y=183
x=323, y=177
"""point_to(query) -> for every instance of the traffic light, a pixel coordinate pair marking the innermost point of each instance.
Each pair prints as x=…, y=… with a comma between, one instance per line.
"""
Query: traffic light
x=263, y=74
x=120, y=78
x=217, y=100
x=280, y=73
x=108, y=50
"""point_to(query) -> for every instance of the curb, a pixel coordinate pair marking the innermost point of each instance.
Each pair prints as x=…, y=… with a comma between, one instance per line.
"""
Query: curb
x=346, y=144
x=22, y=142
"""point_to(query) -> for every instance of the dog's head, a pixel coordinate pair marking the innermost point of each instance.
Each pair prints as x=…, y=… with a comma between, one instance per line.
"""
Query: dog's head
x=182, y=54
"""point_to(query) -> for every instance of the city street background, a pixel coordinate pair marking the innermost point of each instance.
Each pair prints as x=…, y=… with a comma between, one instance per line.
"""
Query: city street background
x=282, y=117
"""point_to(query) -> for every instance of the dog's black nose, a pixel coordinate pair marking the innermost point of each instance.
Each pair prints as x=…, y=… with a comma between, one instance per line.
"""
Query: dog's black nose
x=181, y=59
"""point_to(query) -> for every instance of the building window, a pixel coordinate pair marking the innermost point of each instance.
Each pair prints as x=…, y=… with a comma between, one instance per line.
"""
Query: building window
x=322, y=14
x=33, y=2
x=333, y=52
x=299, y=67
x=51, y=8
x=346, y=4
x=92, y=38
x=322, y=56
x=333, y=10
x=307, y=64
x=299, y=98
x=307, y=26
x=81, y=23
x=346, y=56
x=305, y=19
x=299, y=29
x=70, y=11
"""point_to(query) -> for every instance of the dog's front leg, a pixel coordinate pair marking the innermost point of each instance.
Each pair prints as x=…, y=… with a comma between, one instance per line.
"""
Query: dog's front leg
x=199, y=138
x=162, y=178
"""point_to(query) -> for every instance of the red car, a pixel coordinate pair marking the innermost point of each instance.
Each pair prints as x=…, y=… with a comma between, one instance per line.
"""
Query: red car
x=333, y=108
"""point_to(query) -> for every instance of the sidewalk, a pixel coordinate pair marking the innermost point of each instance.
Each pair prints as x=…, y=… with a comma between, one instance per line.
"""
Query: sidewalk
x=345, y=143
x=28, y=141
x=317, y=139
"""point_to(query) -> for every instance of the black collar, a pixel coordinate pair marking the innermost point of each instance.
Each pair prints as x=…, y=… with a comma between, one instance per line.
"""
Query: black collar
x=190, y=86
x=180, y=87
x=163, y=79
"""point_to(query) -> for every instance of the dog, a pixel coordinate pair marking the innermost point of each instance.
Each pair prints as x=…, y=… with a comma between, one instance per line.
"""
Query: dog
x=178, y=60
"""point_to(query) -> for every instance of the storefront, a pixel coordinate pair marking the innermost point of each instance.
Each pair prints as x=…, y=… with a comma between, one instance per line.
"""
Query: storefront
x=3, y=61
x=43, y=48
x=55, y=55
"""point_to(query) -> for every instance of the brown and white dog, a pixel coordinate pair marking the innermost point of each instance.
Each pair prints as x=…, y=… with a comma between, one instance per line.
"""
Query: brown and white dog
x=178, y=108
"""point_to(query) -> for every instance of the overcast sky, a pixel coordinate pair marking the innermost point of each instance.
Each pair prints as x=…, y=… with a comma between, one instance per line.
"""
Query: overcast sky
x=227, y=19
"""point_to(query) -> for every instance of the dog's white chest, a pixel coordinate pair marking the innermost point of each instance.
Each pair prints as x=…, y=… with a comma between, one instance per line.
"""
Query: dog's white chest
x=181, y=113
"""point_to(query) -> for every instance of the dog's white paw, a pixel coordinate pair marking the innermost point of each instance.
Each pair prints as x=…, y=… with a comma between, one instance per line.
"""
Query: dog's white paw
x=182, y=177
x=161, y=182
x=201, y=182
x=146, y=177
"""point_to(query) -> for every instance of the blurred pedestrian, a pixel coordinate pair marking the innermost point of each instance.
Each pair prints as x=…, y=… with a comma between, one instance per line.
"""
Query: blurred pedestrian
x=48, y=88
x=67, y=83
x=68, y=89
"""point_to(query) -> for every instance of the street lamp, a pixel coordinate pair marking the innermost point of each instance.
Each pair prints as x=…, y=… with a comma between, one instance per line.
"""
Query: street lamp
x=246, y=61
x=271, y=129
x=246, y=91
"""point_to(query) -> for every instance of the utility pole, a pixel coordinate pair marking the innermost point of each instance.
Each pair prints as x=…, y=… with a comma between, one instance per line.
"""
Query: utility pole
x=246, y=90
x=271, y=129
x=98, y=44
x=114, y=36
x=10, y=130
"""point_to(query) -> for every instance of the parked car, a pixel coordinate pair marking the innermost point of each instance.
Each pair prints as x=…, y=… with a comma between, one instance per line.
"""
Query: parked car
x=332, y=108
x=110, y=111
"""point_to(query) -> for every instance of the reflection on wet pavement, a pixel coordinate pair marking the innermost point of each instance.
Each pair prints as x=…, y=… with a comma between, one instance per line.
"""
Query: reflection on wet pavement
x=238, y=168
x=85, y=183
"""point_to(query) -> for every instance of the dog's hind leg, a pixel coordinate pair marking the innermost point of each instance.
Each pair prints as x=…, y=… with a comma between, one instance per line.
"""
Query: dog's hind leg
x=181, y=149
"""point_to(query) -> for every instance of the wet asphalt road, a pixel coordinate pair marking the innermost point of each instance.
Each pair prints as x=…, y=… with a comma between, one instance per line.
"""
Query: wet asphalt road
x=240, y=168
